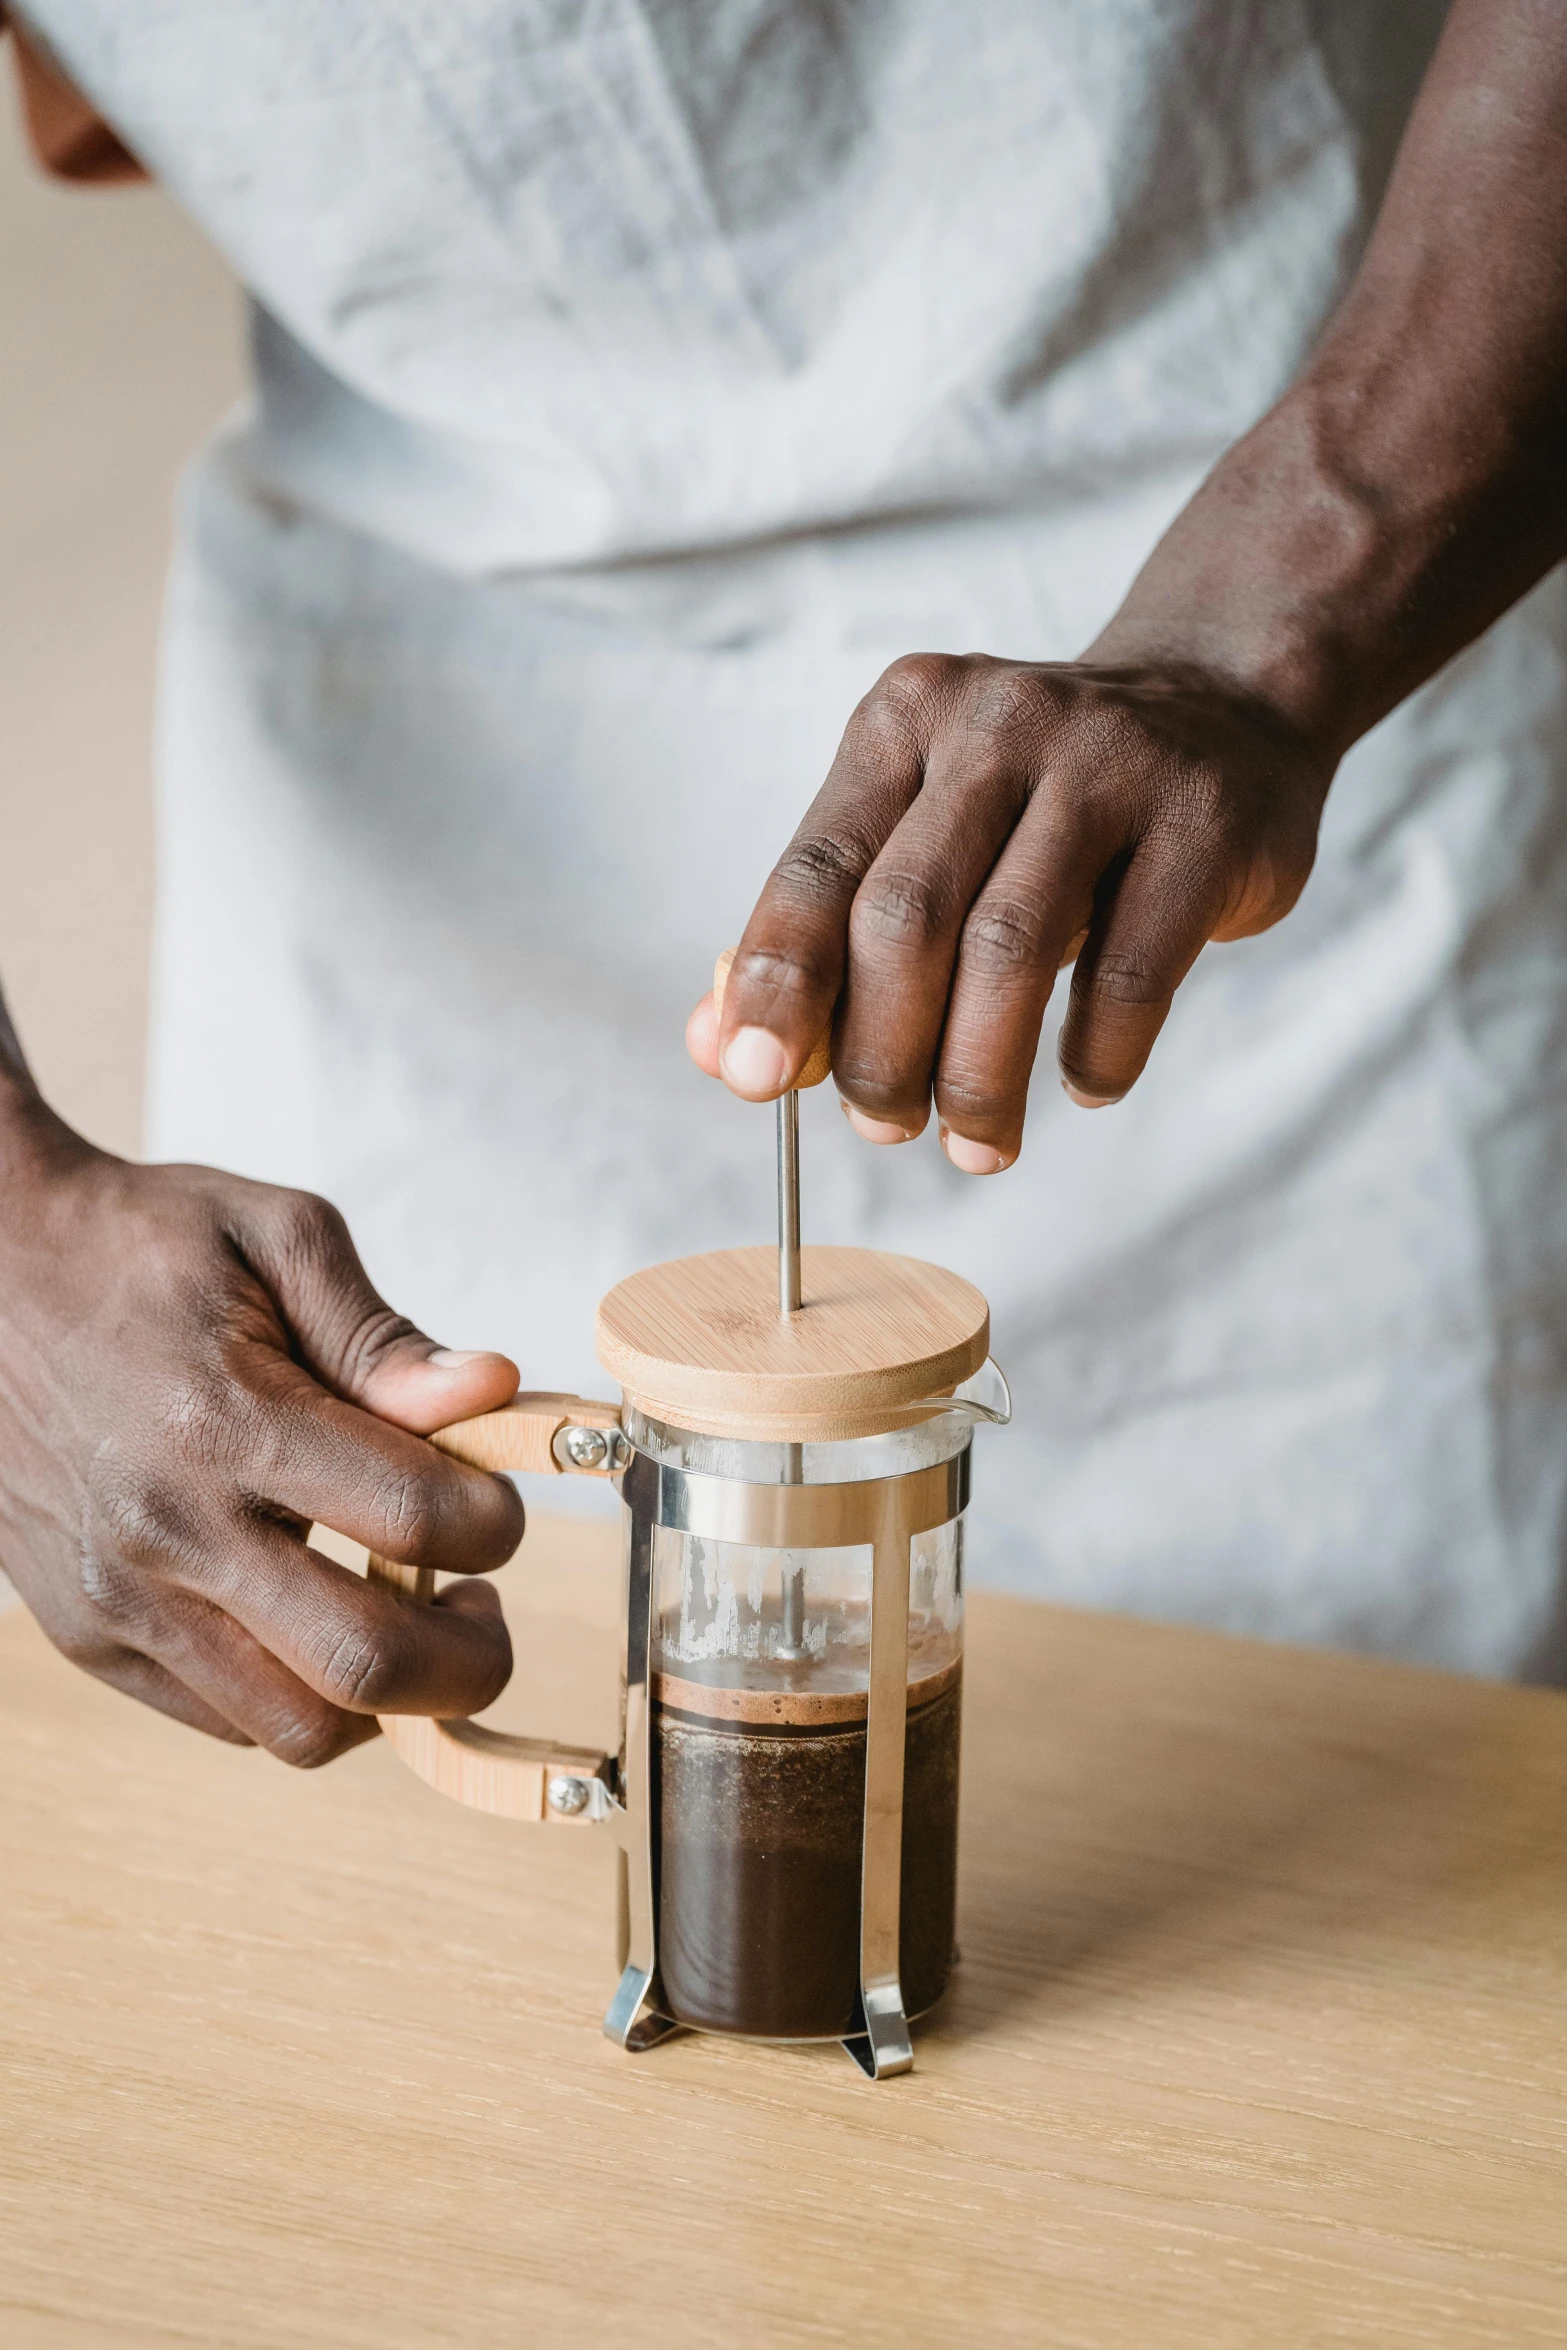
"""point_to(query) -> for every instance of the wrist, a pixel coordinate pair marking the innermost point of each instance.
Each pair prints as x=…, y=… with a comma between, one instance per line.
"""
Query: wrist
x=1346, y=548
x=1278, y=583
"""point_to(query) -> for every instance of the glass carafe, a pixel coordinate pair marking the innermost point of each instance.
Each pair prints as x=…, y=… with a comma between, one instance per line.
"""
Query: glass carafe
x=760, y=1660
x=785, y=1791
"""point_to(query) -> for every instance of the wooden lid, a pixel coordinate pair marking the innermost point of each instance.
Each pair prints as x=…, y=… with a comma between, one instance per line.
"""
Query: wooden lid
x=701, y=1342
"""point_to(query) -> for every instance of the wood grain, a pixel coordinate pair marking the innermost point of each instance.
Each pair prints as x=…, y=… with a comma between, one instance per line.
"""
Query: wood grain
x=700, y=1341
x=521, y=1435
x=1257, y=2038
x=496, y=1771
x=490, y=1770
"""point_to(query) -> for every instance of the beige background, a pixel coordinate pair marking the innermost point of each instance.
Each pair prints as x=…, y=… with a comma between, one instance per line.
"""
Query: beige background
x=119, y=347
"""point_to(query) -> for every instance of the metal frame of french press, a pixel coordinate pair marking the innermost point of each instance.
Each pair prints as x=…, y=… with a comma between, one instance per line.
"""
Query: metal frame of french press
x=538, y=1779
x=884, y=1512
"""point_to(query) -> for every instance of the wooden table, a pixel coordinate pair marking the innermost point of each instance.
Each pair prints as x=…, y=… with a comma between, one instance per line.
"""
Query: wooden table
x=1258, y=2037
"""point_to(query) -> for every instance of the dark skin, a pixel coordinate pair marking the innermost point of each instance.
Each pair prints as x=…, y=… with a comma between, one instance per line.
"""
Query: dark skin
x=987, y=822
x=193, y=1367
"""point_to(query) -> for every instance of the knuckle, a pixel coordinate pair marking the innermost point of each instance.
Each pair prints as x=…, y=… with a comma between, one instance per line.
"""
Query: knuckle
x=368, y=1666
x=413, y=1511
x=206, y=1420
x=903, y=709
x=899, y=908
x=1129, y=980
x=1003, y=938
x=1198, y=804
x=371, y=1338
x=309, y=1226
x=816, y=867
x=908, y=695
x=308, y=1737
x=356, y=1327
x=1010, y=704
x=114, y=1597
x=85, y=1643
x=976, y=1109
x=145, y=1522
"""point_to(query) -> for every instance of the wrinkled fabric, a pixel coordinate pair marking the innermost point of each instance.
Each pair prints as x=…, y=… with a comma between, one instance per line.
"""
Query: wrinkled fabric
x=634, y=383
x=634, y=277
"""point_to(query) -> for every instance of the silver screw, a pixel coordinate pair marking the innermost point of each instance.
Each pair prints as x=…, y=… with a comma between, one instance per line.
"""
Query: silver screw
x=568, y=1795
x=588, y=1447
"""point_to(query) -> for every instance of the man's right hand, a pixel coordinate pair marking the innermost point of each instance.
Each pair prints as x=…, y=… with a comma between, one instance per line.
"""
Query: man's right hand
x=192, y=1369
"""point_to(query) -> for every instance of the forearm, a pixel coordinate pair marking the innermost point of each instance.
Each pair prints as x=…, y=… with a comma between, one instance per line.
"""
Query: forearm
x=1413, y=482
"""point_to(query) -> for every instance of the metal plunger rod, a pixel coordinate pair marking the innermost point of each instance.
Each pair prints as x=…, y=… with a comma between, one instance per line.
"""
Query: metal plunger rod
x=788, y=1203
x=817, y=1066
x=791, y=1606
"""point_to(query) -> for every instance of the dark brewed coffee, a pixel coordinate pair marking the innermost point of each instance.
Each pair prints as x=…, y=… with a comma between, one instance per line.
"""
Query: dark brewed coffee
x=761, y=1829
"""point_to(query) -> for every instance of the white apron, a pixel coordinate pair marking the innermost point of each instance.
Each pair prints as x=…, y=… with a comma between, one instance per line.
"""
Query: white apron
x=636, y=379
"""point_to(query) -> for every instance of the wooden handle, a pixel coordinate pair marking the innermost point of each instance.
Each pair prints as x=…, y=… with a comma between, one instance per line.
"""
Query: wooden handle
x=820, y=1063
x=488, y=1769
x=521, y=1435
x=491, y=1771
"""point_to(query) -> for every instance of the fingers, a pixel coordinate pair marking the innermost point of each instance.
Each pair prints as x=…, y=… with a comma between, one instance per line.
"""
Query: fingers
x=702, y=1036
x=1132, y=906
x=346, y=1332
x=262, y=1642
x=172, y=1443
x=939, y=928
x=175, y=1651
x=1026, y=921
x=302, y=1451
x=336, y=1456
x=205, y=1669
x=279, y=1640
x=984, y=823
x=1147, y=938
x=913, y=908
x=153, y=1684
x=363, y=1647
x=790, y=963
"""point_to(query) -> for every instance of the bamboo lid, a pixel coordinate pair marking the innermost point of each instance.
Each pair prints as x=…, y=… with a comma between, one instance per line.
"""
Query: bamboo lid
x=701, y=1343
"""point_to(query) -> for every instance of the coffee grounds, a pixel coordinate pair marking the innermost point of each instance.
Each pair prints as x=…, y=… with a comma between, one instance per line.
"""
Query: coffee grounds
x=758, y=1870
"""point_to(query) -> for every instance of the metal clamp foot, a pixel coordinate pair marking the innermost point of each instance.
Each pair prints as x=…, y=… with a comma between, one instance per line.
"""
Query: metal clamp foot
x=634, y=2020
x=884, y=2047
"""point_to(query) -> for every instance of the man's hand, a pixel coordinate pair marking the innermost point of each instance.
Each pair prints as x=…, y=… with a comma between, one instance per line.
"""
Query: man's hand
x=984, y=823
x=192, y=1369
x=985, y=820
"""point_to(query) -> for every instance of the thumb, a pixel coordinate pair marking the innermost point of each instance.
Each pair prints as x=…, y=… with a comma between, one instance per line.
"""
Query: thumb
x=702, y=1036
x=344, y=1331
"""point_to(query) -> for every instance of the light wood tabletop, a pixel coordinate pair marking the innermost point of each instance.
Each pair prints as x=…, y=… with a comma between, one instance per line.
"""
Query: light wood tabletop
x=1260, y=2034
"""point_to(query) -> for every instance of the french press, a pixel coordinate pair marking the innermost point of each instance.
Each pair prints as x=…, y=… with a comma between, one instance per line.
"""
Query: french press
x=792, y=1450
